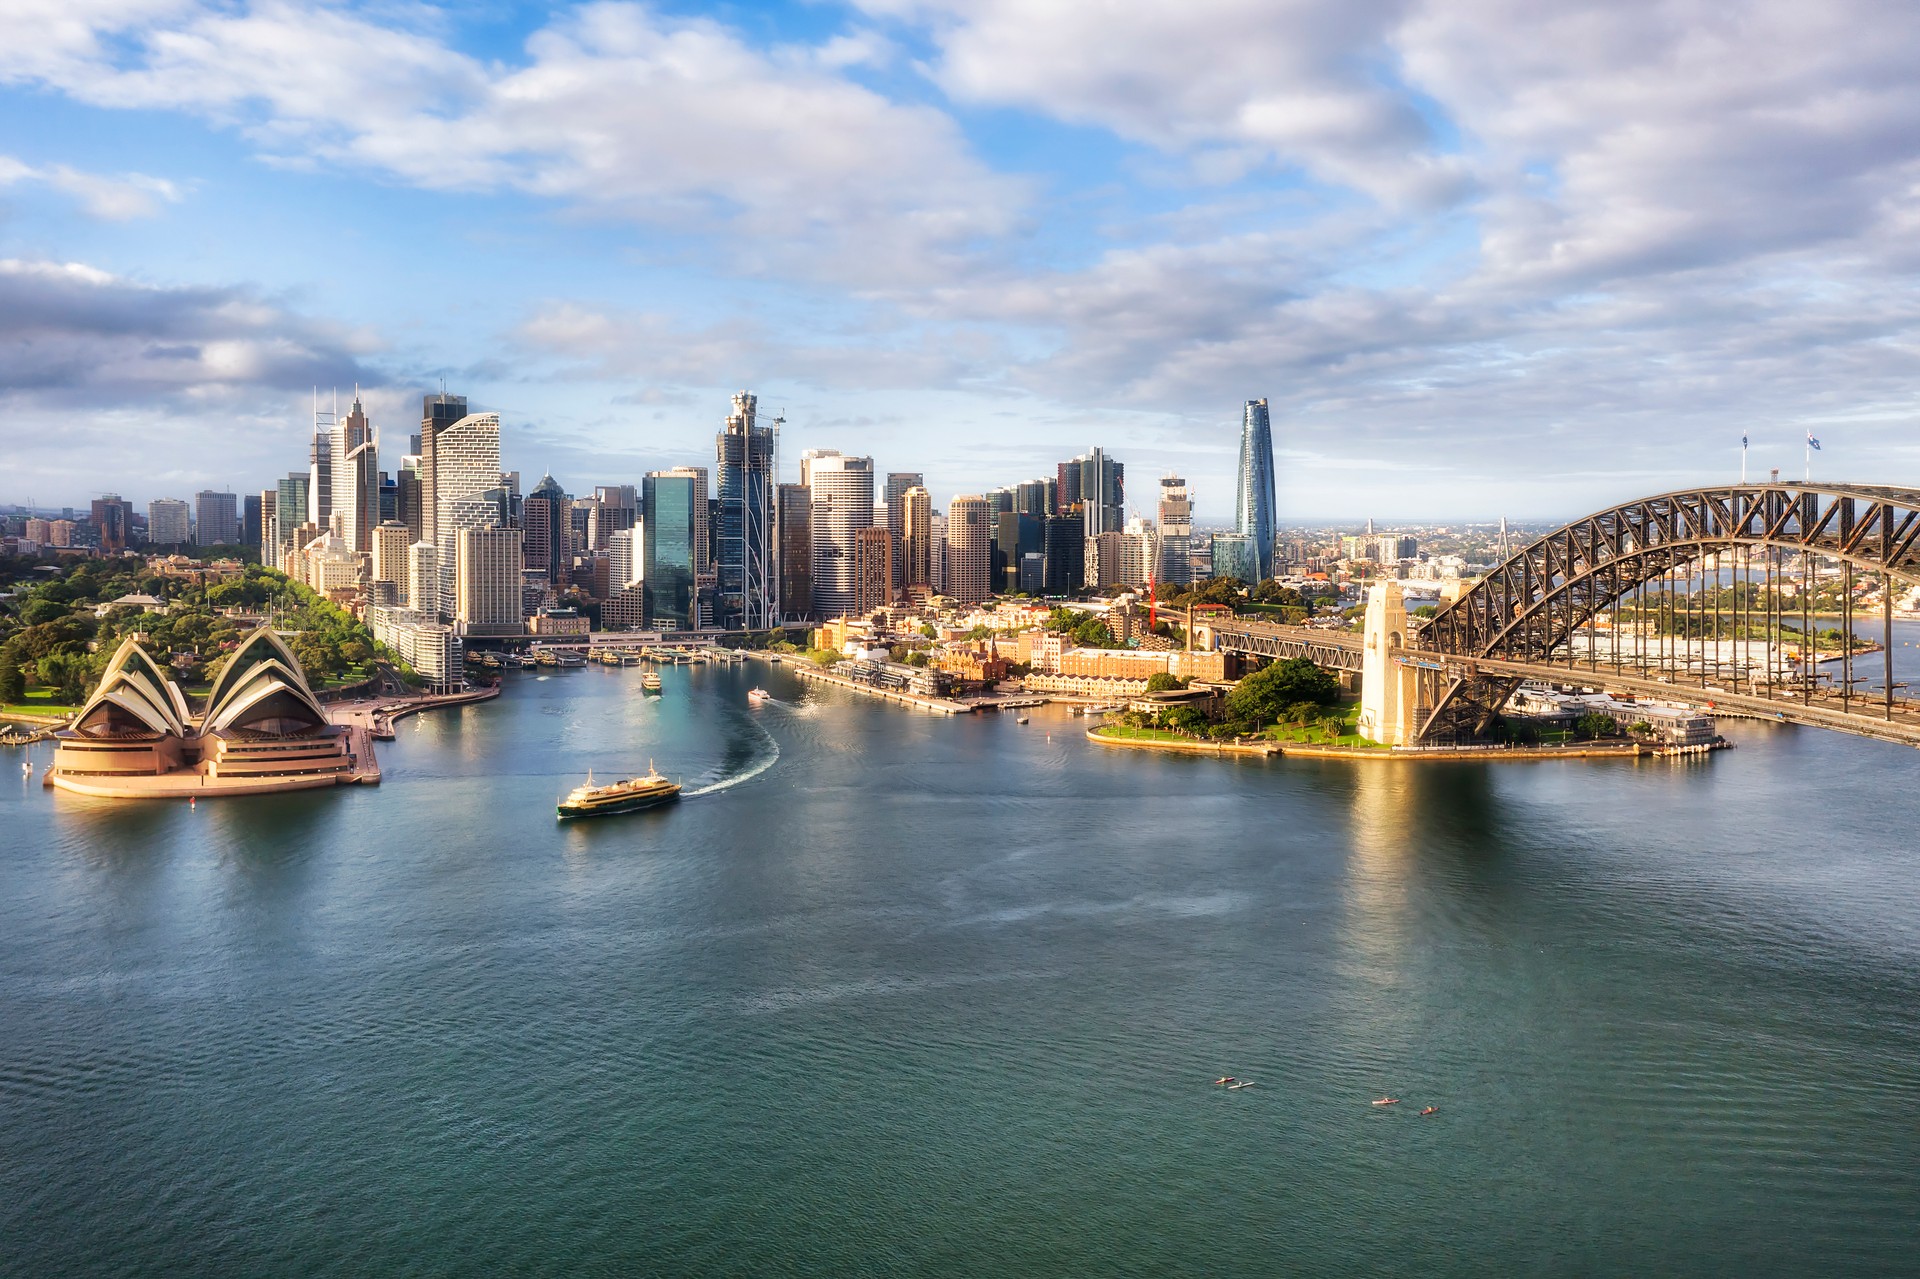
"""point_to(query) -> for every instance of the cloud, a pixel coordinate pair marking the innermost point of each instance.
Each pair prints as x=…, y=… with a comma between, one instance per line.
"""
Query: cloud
x=1494, y=242
x=655, y=348
x=1311, y=84
x=73, y=334
x=111, y=199
x=614, y=109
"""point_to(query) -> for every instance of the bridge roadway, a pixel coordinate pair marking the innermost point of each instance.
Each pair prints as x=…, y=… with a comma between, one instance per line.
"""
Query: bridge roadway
x=1343, y=650
x=1335, y=650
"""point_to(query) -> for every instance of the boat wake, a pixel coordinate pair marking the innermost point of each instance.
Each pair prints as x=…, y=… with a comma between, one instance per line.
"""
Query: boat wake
x=747, y=774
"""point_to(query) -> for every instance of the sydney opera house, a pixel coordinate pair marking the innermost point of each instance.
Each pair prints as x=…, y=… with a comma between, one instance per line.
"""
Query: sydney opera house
x=260, y=730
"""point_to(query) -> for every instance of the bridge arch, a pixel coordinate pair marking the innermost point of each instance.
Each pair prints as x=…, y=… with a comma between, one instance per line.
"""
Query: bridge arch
x=1536, y=600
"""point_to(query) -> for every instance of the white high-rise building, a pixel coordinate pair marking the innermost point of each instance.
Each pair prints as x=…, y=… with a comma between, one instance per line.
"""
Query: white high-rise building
x=320, y=465
x=842, y=502
x=390, y=558
x=356, y=477
x=1176, y=530
x=1139, y=552
x=423, y=576
x=623, y=566
x=466, y=471
x=487, y=597
x=168, y=520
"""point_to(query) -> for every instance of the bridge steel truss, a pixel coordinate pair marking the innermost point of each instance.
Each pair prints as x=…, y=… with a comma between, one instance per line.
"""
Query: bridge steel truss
x=1532, y=605
x=1264, y=639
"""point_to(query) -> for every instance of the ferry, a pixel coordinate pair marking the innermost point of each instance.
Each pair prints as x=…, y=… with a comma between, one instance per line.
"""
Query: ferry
x=758, y=695
x=650, y=681
x=619, y=797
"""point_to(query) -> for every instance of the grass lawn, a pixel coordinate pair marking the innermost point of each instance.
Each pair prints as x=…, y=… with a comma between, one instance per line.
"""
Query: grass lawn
x=39, y=702
x=1314, y=735
x=1143, y=734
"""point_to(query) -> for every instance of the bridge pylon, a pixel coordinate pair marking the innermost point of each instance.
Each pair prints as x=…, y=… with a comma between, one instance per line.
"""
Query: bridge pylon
x=1390, y=698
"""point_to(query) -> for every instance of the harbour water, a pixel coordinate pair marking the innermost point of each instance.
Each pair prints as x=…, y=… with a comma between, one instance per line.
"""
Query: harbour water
x=890, y=993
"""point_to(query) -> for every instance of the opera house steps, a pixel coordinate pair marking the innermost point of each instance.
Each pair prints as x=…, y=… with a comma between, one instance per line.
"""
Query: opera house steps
x=261, y=730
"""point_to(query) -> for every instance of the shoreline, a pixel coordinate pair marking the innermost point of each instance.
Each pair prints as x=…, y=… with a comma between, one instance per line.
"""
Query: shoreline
x=933, y=705
x=1306, y=750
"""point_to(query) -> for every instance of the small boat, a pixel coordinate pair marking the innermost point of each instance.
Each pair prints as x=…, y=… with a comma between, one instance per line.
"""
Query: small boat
x=626, y=796
x=1021, y=720
x=650, y=682
x=1430, y=1110
x=758, y=695
x=775, y=659
x=1239, y=1083
x=1388, y=1101
x=1226, y=1080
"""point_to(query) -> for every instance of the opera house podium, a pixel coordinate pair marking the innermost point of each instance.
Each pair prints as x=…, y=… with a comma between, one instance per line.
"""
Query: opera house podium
x=261, y=730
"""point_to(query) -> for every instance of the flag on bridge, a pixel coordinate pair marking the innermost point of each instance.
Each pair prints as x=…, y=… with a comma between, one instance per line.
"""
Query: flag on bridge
x=1812, y=443
x=1743, y=441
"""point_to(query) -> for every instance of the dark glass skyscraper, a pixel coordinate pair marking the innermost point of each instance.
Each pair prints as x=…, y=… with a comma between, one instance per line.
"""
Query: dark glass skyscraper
x=1254, y=502
x=547, y=513
x=744, y=566
x=670, y=541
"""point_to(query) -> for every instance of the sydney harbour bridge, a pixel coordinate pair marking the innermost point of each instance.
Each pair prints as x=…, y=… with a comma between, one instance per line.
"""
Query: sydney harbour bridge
x=1705, y=595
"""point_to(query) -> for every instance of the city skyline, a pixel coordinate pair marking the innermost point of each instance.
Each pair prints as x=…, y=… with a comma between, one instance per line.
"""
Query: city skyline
x=1032, y=232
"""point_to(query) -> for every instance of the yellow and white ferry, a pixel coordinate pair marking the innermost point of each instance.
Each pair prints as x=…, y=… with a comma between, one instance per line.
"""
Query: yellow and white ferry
x=619, y=797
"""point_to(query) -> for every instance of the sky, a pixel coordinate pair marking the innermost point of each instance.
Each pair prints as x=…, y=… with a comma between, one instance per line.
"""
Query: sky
x=1481, y=257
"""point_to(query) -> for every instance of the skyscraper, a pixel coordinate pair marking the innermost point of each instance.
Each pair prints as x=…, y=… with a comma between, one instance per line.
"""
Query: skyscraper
x=917, y=536
x=898, y=484
x=795, y=552
x=1103, y=489
x=872, y=570
x=970, y=549
x=744, y=568
x=290, y=509
x=1254, y=493
x=112, y=522
x=1017, y=534
x=1235, y=556
x=671, y=530
x=438, y=413
x=487, y=599
x=466, y=491
x=167, y=522
x=254, y=510
x=322, y=451
x=356, y=477
x=390, y=558
x=546, y=513
x=1176, y=530
x=842, y=500
x=217, y=519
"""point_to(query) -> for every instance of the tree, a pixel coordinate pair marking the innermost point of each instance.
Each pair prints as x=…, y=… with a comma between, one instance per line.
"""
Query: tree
x=1262, y=697
x=1184, y=719
x=1163, y=682
x=13, y=681
x=1271, y=592
x=1595, y=724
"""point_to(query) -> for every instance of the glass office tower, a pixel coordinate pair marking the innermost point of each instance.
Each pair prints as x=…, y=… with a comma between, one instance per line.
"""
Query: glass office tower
x=671, y=512
x=1254, y=494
